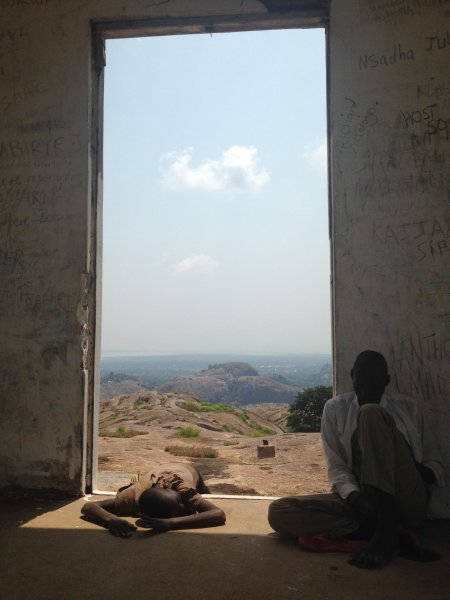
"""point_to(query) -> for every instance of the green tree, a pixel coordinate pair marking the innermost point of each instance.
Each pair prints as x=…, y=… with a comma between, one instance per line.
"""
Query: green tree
x=305, y=414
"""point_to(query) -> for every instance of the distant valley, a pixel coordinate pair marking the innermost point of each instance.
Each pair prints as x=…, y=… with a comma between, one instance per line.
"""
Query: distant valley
x=238, y=380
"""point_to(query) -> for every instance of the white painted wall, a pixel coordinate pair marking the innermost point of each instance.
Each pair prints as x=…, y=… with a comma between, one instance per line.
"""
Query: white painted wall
x=390, y=190
x=390, y=98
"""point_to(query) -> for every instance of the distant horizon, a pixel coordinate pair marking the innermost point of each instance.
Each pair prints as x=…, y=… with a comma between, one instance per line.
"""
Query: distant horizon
x=143, y=354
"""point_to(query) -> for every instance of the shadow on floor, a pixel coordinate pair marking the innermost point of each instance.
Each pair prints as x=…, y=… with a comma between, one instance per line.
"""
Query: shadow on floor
x=58, y=555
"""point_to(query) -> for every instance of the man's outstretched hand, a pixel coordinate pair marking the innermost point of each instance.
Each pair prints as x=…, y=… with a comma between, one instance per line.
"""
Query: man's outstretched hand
x=154, y=523
x=121, y=527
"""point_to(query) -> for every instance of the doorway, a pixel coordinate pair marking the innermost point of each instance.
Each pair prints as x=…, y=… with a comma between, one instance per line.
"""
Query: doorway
x=226, y=182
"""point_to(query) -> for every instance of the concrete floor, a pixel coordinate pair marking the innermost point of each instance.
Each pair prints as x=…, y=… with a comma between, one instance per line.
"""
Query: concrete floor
x=48, y=552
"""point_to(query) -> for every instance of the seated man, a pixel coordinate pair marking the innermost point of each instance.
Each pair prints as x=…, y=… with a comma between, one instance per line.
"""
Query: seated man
x=382, y=464
x=167, y=497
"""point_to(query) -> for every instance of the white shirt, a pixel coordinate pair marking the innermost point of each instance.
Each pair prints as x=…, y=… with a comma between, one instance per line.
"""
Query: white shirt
x=339, y=422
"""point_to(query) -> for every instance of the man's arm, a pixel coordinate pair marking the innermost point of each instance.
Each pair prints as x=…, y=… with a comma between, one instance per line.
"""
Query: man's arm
x=339, y=472
x=208, y=515
x=102, y=512
x=431, y=469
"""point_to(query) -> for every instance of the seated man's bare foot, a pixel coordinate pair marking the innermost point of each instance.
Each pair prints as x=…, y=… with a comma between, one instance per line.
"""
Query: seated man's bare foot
x=379, y=551
x=411, y=549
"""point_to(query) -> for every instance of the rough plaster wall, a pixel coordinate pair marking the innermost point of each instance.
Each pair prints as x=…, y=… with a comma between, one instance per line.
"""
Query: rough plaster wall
x=43, y=245
x=390, y=97
x=45, y=215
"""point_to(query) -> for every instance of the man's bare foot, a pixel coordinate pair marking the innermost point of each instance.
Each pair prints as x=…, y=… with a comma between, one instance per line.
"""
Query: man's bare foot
x=379, y=551
x=411, y=549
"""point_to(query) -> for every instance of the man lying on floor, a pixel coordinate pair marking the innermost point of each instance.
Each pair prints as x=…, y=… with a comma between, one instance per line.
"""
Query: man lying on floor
x=167, y=497
x=382, y=465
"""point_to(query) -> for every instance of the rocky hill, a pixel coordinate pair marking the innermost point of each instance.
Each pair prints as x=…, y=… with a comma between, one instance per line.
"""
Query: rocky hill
x=171, y=411
x=236, y=383
x=145, y=428
x=119, y=386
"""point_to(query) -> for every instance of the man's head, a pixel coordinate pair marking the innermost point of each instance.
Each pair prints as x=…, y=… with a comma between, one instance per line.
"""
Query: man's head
x=160, y=503
x=370, y=377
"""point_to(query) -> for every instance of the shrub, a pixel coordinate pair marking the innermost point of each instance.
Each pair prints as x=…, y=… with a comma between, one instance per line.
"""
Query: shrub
x=305, y=414
x=188, y=432
x=142, y=402
x=192, y=451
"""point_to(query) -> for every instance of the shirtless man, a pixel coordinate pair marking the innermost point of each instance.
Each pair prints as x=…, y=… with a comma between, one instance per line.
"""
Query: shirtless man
x=167, y=497
x=382, y=465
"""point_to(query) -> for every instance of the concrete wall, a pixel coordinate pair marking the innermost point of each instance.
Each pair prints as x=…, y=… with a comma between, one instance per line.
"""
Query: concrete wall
x=390, y=185
x=47, y=221
x=390, y=122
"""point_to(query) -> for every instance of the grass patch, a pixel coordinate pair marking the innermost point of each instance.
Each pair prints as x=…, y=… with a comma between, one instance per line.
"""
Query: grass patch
x=230, y=442
x=216, y=407
x=120, y=432
x=190, y=406
x=230, y=429
x=259, y=430
x=142, y=402
x=244, y=416
x=207, y=407
x=192, y=451
x=187, y=432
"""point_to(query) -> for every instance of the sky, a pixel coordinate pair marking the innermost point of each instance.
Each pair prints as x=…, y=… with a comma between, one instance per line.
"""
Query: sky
x=215, y=233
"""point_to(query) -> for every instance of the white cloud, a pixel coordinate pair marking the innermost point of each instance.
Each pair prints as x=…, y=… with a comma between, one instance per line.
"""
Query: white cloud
x=318, y=156
x=236, y=170
x=197, y=263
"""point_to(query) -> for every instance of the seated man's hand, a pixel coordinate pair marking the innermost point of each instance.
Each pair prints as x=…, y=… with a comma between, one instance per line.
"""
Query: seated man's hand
x=121, y=527
x=154, y=523
x=361, y=504
x=426, y=474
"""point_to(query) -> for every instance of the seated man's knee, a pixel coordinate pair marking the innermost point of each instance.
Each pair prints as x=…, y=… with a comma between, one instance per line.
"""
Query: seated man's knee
x=275, y=508
x=370, y=409
x=278, y=510
x=373, y=412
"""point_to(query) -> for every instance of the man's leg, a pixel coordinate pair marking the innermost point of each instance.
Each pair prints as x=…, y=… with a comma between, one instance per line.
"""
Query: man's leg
x=389, y=477
x=388, y=464
x=296, y=516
